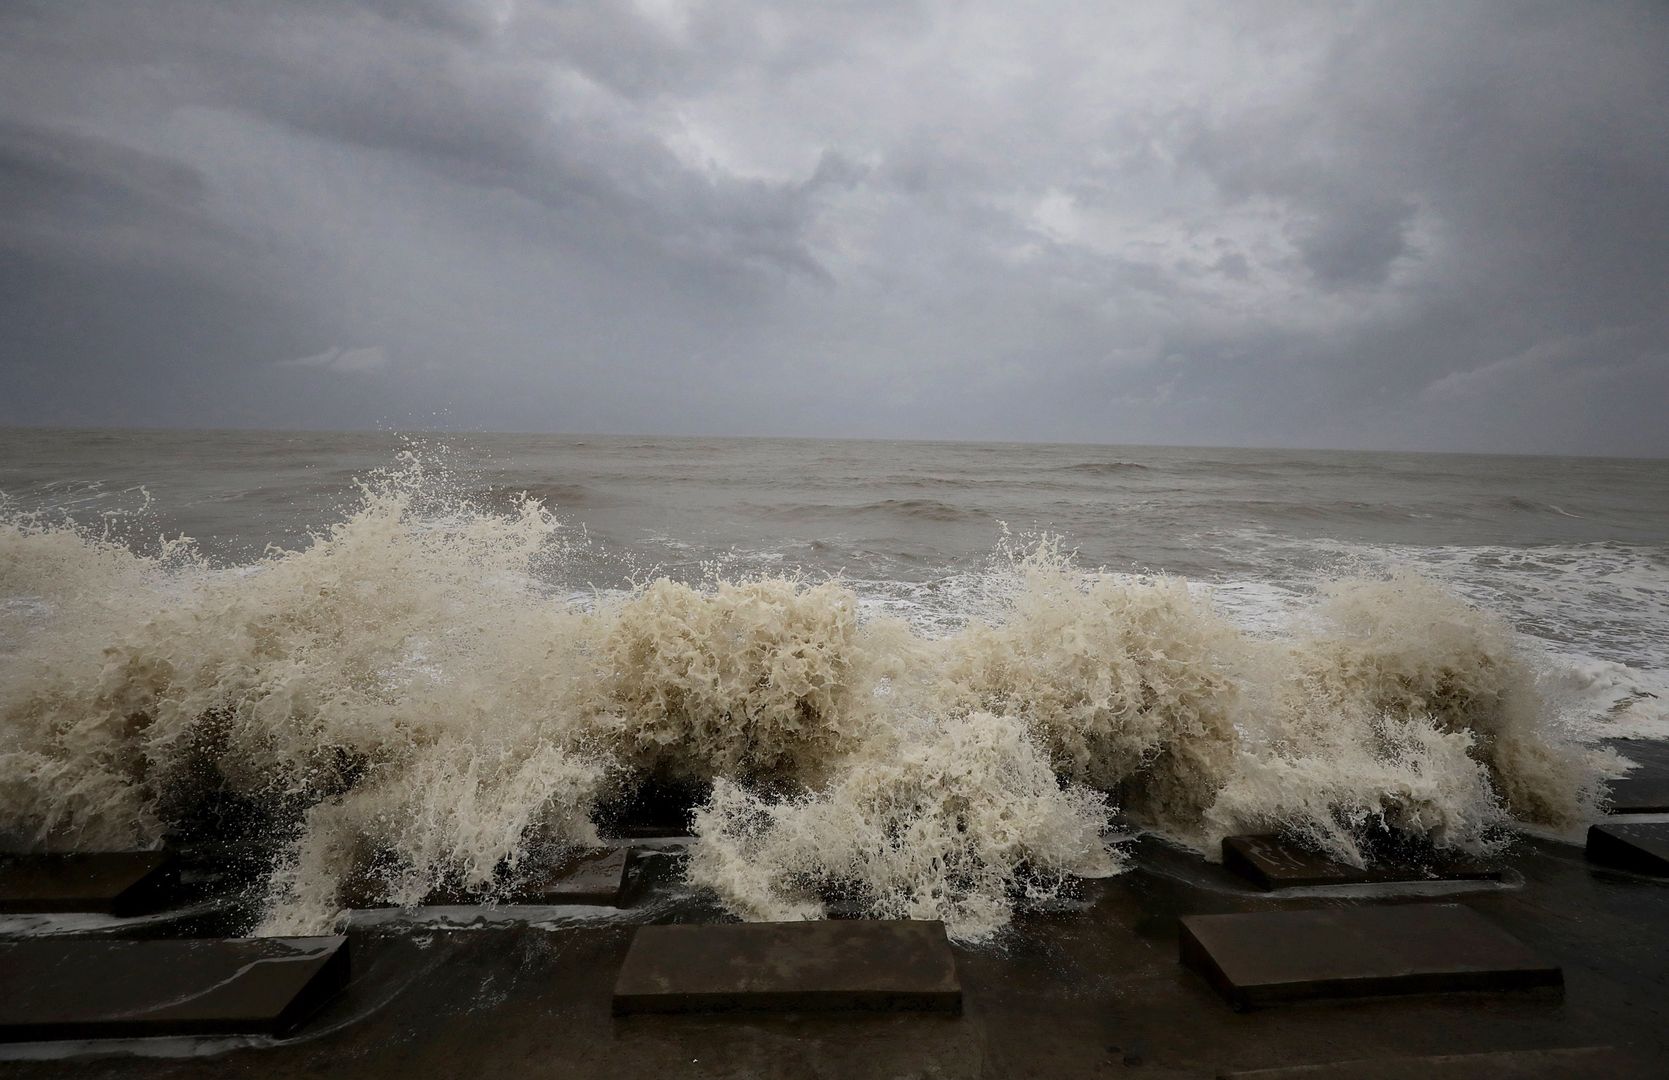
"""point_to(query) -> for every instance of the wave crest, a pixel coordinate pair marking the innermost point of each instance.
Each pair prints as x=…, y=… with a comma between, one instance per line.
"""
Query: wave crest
x=401, y=705
x=1128, y=681
x=955, y=823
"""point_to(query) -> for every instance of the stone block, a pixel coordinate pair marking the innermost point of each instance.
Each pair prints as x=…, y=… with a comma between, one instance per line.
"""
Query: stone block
x=1642, y=847
x=1271, y=862
x=85, y=988
x=789, y=967
x=595, y=877
x=1270, y=957
x=1640, y=795
x=108, y=882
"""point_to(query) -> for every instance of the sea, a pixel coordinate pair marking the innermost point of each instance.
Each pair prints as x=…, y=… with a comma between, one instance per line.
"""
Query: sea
x=152, y=578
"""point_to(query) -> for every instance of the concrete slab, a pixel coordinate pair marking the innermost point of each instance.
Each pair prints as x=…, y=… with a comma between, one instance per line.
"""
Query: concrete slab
x=595, y=877
x=81, y=989
x=1271, y=862
x=1558, y=1064
x=107, y=882
x=1271, y=957
x=1092, y=992
x=789, y=967
x=1642, y=847
x=1640, y=795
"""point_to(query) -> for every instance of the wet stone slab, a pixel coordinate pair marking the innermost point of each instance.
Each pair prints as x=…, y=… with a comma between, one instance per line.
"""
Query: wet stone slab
x=789, y=967
x=1271, y=862
x=1640, y=795
x=81, y=989
x=596, y=877
x=109, y=882
x=1271, y=957
x=1556, y=1064
x=1642, y=847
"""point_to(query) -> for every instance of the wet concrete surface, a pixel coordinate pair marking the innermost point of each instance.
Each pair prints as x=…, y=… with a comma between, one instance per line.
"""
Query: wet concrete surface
x=848, y=965
x=1646, y=795
x=1094, y=989
x=1642, y=847
x=1260, y=958
x=1273, y=862
x=1646, y=789
x=89, y=988
x=595, y=876
x=110, y=882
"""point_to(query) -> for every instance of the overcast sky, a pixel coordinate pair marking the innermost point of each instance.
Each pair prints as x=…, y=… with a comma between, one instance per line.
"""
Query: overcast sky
x=1397, y=225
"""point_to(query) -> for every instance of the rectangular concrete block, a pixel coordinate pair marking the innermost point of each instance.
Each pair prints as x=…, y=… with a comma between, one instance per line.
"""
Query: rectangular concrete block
x=595, y=877
x=1557, y=1064
x=1640, y=795
x=1642, y=847
x=1271, y=862
x=1270, y=957
x=81, y=989
x=108, y=882
x=789, y=967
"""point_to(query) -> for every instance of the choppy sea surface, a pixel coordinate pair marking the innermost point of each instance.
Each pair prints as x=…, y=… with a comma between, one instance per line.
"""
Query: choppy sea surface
x=1574, y=552
x=1569, y=555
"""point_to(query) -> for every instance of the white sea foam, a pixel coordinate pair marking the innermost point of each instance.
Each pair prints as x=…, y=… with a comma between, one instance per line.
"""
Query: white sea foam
x=952, y=821
x=416, y=699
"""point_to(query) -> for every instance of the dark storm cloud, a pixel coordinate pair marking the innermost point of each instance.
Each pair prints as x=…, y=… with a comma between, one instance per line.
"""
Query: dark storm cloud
x=53, y=184
x=1385, y=224
x=1358, y=244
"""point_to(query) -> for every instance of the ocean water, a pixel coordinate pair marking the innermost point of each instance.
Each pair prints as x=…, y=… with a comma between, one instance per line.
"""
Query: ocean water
x=910, y=678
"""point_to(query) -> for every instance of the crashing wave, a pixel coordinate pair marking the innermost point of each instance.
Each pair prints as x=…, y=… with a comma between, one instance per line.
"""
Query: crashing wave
x=401, y=706
x=954, y=822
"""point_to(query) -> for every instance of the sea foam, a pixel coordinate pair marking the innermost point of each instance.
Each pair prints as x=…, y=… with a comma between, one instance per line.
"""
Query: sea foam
x=411, y=701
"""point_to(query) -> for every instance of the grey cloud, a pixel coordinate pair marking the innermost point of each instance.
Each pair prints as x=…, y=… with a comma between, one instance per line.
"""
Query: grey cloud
x=477, y=108
x=1356, y=244
x=41, y=164
x=100, y=243
x=1391, y=224
x=90, y=198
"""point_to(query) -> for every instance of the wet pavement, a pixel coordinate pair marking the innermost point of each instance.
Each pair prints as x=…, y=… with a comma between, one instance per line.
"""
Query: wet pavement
x=1092, y=989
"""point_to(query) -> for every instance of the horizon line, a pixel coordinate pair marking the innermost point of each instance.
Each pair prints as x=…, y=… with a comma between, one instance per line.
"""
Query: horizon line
x=507, y=432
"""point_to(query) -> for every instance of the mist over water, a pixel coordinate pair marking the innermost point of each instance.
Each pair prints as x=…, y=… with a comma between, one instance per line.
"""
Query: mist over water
x=912, y=679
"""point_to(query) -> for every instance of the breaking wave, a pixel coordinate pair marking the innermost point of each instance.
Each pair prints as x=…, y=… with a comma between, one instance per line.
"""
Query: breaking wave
x=411, y=701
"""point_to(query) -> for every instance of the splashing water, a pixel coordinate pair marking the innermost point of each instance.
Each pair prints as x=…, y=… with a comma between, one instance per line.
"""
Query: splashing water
x=405, y=703
x=952, y=821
